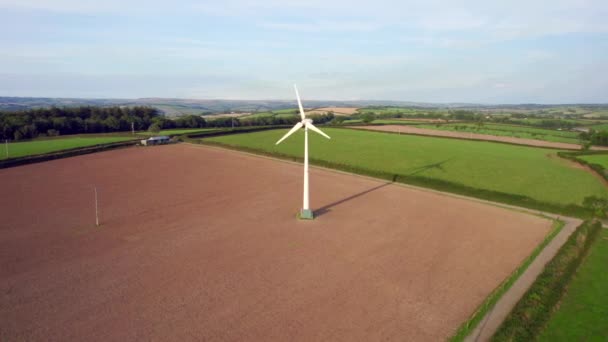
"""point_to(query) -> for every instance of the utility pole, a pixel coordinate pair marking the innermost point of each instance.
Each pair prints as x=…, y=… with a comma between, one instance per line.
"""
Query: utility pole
x=6, y=147
x=132, y=128
x=96, y=208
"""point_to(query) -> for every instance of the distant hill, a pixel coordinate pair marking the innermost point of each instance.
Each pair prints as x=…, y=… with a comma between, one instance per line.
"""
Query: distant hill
x=177, y=107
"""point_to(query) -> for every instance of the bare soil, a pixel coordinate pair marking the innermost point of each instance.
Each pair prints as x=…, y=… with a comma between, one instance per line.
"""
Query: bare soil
x=202, y=244
x=475, y=136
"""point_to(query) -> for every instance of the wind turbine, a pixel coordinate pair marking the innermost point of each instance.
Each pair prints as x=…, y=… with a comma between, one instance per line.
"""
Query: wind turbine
x=305, y=213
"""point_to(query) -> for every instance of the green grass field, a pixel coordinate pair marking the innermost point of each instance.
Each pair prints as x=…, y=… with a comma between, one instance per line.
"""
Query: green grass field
x=29, y=148
x=257, y=115
x=600, y=127
x=396, y=122
x=510, y=131
x=601, y=159
x=583, y=312
x=177, y=131
x=532, y=121
x=401, y=110
x=533, y=172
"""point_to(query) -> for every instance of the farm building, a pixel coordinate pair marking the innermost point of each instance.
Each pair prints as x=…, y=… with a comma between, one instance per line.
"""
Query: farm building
x=163, y=139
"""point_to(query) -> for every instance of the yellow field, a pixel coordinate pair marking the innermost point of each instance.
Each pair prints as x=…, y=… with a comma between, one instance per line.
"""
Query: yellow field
x=336, y=110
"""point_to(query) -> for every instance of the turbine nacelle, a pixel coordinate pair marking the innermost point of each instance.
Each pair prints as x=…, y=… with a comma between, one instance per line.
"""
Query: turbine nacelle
x=306, y=123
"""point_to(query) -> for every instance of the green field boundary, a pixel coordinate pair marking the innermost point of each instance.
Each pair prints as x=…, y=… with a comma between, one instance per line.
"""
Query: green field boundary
x=534, y=309
x=192, y=137
x=469, y=139
x=573, y=156
x=470, y=324
x=71, y=152
x=425, y=182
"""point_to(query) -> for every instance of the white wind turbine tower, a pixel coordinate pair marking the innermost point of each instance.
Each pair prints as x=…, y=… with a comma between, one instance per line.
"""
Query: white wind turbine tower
x=305, y=213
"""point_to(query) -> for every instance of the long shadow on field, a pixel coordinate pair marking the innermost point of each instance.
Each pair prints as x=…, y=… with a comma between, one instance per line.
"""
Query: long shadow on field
x=325, y=209
x=438, y=166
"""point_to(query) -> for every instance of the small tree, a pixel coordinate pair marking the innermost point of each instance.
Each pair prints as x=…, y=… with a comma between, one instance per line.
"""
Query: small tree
x=338, y=120
x=599, y=205
x=154, y=128
x=368, y=117
x=52, y=132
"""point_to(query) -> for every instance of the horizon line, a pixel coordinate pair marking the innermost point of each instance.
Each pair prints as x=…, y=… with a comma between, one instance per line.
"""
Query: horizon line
x=318, y=100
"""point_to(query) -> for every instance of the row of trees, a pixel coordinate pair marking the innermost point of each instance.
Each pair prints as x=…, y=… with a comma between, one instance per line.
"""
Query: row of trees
x=595, y=137
x=73, y=120
x=78, y=120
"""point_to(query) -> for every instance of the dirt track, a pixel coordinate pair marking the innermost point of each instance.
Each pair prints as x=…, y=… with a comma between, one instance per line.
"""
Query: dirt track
x=199, y=243
x=474, y=136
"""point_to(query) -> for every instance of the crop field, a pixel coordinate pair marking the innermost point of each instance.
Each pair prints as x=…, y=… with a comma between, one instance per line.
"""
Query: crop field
x=178, y=131
x=177, y=110
x=583, y=312
x=347, y=111
x=537, y=121
x=391, y=121
x=597, y=114
x=471, y=135
x=286, y=115
x=401, y=110
x=511, y=131
x=34, y=147
x=211, y=253
x=257, y=115
x=533, y=172
x=600, y=127
x=601, y=159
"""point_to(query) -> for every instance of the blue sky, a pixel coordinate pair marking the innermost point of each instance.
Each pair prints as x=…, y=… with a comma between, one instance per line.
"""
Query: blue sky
x=432, y=51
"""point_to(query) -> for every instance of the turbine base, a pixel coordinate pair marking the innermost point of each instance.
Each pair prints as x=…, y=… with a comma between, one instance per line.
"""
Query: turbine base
x=306, y=214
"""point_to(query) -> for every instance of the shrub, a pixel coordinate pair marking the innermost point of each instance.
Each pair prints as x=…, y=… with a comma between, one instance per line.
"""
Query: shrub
x=368, y=117
x=154, y=128
x=598, y=205
x=52, y=132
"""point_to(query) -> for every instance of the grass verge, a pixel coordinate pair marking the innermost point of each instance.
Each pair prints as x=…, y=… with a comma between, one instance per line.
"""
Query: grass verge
x=583, y=312
x=533, y=311
x=467, y=327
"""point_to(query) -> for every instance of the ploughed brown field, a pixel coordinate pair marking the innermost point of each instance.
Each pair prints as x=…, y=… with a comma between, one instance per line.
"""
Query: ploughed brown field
x=199, y=243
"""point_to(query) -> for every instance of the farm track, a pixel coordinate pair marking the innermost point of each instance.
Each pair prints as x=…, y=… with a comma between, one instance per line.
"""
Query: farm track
x=475, y=136
x=212, y=254
x=494, y=318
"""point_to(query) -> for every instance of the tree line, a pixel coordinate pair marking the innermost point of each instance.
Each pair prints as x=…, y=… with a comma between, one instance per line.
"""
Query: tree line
x=55, y=121
x=595, y=137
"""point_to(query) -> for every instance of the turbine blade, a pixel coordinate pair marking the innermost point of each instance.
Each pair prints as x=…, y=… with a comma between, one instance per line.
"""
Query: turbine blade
x=311, y=126
x=299, y=103
x=293, y=129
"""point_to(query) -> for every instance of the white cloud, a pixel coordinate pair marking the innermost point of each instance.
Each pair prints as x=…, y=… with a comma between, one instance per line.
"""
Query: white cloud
x=502, y=20
x=322, y=26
